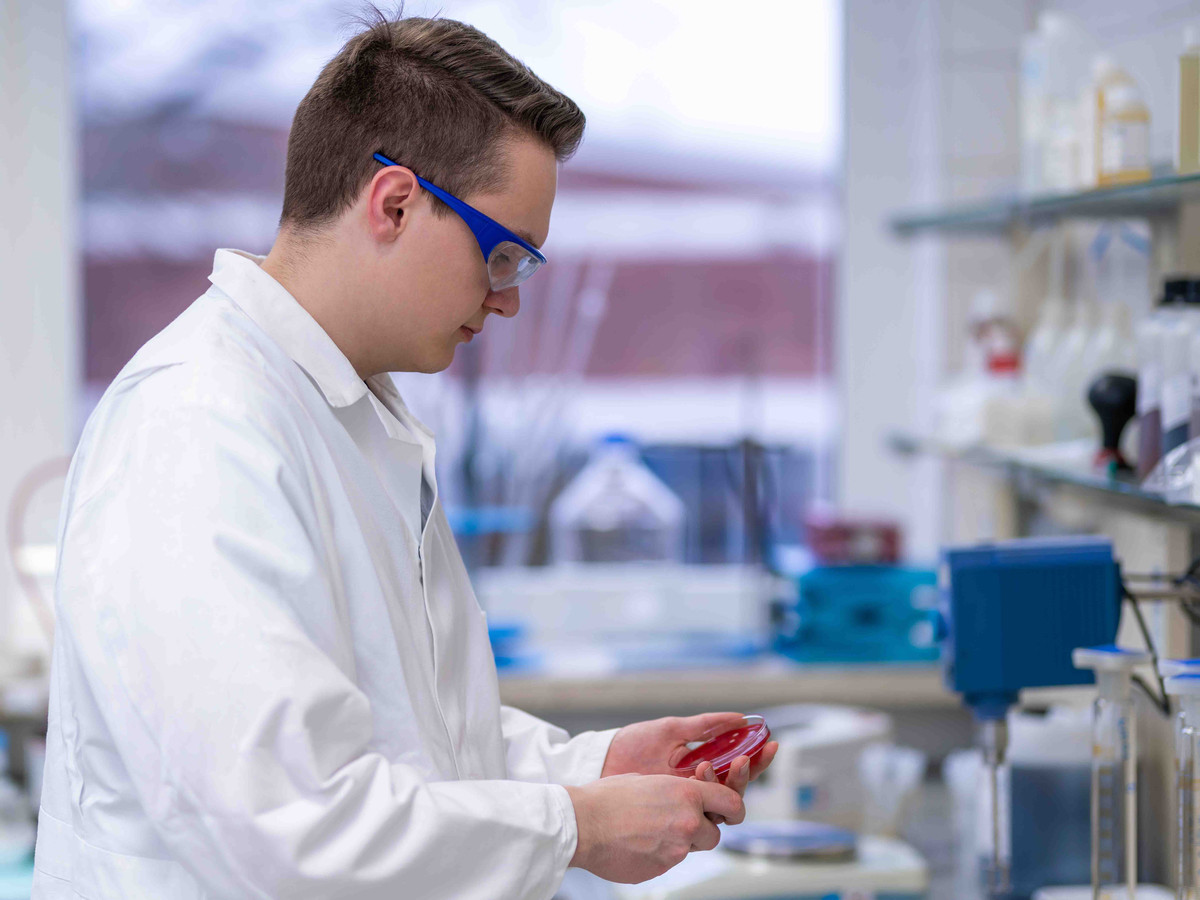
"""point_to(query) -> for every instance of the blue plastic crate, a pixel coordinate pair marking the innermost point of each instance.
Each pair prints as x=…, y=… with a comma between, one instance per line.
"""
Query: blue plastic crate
x=861, y=614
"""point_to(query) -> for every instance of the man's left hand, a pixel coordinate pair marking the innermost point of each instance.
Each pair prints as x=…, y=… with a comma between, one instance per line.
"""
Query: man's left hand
x=649, y=748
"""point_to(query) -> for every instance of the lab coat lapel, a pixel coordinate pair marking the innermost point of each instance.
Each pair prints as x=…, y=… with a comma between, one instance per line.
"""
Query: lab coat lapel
x=466, y=671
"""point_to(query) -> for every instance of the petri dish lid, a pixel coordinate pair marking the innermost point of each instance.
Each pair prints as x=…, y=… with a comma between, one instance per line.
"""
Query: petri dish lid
x=810, y=841
x=722, y=745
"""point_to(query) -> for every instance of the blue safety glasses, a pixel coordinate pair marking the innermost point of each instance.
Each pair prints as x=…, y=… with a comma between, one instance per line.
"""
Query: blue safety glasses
x=510, y=260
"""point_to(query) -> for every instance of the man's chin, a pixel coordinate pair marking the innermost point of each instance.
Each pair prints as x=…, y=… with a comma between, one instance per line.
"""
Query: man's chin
x=434, y=365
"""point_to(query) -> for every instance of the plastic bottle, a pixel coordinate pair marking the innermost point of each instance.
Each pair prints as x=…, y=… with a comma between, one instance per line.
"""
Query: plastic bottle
x=616, y=511
x=1114, y=768
x=1124, y=138
x=1187, y=157
x=1054, y=68
x=1042, y=348
x=977, y=404
x=1152, y=333
x=1149, y=396
x=1111, y=346
x=1179, y=401
x=1176, y=397
x=1115, y=123
x=1071, y=373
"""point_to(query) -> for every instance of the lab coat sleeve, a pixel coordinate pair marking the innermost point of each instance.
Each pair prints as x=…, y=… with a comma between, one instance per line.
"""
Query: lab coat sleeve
x=189, y=582
x=539, y=751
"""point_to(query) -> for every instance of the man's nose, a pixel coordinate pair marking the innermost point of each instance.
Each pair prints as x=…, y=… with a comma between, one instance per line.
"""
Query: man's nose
x=506, y=303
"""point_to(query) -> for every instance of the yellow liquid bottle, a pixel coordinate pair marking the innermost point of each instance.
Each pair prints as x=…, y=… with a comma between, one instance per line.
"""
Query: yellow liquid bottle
x=1124, y=137
x=1187, y=160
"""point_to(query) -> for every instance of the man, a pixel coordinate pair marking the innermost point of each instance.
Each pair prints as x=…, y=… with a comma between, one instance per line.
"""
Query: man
x=271, y=678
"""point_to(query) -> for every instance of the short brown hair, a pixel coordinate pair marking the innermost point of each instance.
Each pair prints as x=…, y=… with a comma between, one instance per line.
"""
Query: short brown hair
x=436, y=95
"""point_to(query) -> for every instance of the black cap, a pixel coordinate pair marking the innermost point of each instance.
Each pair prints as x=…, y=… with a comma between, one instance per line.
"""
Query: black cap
x=1180, y=289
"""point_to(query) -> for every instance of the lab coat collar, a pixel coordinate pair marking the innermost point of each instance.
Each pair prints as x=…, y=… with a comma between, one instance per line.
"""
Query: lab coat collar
x=241, y=277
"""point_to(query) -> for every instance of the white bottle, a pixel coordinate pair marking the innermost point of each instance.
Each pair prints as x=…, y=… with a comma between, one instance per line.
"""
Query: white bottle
x=1111, y=348
x=1074, y=416
x=1150, y=332
x=1153, y=332
x=616, y=511
x=1194, y=420
x=1042, y=348
x=1054, y=69
x=1176, y=404
x=1116, y=255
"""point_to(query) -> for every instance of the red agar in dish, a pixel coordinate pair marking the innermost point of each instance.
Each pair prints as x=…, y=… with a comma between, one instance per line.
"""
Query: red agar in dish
x=747, y=739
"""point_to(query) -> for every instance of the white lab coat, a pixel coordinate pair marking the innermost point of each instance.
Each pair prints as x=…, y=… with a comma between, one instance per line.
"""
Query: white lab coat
x=265, y=684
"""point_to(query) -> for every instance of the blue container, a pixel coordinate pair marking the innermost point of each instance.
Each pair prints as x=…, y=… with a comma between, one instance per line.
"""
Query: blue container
x=1016, y=610
x=860, y=614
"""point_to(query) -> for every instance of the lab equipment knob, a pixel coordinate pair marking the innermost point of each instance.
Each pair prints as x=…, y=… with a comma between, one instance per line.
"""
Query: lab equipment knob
x=1114, y=398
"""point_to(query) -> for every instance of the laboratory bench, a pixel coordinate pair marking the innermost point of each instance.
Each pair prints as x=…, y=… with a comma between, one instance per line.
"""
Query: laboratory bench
x=770, y=681
x=925, y=714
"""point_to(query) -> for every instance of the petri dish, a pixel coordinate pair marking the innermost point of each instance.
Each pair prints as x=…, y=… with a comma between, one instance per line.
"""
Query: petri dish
x=722, y=745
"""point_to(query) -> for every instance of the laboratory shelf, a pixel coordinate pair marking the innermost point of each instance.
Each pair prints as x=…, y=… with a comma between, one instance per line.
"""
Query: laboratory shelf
x=771, y=681
x=1157, y=197
x=1029, y=466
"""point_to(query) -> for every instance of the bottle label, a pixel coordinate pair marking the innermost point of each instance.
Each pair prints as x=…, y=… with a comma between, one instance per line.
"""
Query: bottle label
x=1124, y=147
x=1176, y=411
x=1194, y=419
x=1149, y=388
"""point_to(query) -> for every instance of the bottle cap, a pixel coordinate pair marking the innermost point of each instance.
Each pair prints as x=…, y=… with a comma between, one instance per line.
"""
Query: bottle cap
x=1182, y=686
x=617, y=438
x=1121, y=96
x=1109, y=658
x=1169, y=668
x=1103, y=66
x=722, y=745
x=1180, y=289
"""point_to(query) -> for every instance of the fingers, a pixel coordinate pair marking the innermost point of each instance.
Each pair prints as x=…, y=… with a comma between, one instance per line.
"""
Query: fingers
x=706, y=836
x=764, y=759
x=706, y=772
x=693, y=727
x=739, y=775
x=724, y=801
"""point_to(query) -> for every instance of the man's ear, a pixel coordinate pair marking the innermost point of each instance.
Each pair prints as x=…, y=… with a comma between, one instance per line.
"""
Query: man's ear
x=391, y=197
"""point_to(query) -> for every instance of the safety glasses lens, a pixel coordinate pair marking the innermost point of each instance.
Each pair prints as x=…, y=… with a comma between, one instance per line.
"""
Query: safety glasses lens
x=510, y=264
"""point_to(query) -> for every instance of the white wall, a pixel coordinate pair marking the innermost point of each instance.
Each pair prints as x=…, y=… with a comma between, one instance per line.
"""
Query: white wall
x=39, y=291
x=888, y=330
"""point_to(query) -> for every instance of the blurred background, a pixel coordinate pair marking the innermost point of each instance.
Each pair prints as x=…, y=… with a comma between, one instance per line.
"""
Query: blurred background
x=830, y=282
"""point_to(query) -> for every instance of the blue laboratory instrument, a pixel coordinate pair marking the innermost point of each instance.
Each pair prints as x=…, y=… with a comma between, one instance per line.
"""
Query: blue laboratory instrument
x=1012, y=614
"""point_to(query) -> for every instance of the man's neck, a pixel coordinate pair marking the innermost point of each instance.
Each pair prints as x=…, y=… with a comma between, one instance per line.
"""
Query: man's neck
x=324, y=294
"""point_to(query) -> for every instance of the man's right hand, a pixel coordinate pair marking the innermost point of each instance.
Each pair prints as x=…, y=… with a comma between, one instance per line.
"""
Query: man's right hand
x=634, y=827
